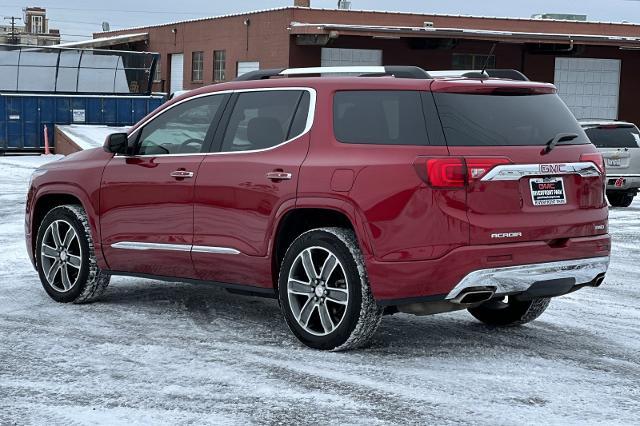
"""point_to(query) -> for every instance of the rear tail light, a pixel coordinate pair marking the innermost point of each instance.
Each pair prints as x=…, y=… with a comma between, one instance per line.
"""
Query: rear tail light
x=595, y=158
x=457, y=172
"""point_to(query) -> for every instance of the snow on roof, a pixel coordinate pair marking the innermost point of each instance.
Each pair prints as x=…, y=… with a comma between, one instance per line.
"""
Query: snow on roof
x=106, y=41
x=88, y=136
x=463, y=31
x=444, y=15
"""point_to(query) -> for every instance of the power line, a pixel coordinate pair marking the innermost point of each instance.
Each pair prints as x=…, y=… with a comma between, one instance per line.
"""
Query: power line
x=172, y=12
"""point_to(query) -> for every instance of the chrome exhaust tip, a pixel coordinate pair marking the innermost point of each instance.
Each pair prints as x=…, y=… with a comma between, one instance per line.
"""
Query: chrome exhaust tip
x=475, y=295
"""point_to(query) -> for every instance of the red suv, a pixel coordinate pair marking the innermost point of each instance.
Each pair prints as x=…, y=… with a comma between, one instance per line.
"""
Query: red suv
x=347, y=198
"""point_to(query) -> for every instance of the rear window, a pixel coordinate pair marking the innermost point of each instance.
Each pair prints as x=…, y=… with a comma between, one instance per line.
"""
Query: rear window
x=614, y=136
x=509, y=119
x=379, y=117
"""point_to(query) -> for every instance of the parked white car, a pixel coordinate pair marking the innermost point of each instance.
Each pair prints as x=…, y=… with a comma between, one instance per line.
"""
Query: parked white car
x=619, y=143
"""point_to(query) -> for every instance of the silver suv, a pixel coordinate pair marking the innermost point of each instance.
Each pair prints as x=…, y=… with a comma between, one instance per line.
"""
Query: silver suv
x=618, y=141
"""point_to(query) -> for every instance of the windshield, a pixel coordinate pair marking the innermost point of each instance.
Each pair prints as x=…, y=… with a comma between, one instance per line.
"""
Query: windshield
x=488, y=120
x=614, y=136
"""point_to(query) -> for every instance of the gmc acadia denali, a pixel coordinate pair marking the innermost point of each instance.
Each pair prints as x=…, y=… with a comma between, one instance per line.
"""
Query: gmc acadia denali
x=344, y=197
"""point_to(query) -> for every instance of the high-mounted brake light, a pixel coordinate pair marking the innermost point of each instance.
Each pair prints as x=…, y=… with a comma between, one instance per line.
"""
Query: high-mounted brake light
x=595, y=158
x=457, y=172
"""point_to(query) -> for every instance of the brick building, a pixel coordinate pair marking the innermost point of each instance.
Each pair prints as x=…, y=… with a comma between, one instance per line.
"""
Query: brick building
x=594, y=64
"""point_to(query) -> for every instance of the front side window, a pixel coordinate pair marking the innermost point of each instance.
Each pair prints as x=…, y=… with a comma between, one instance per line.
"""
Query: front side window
x=264, y=119
x=197, y=66
x=219, y=65
x=182, y=129
x=379, y=117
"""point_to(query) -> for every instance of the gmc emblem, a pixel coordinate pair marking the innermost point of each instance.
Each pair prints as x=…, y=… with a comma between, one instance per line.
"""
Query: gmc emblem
x=552, y=168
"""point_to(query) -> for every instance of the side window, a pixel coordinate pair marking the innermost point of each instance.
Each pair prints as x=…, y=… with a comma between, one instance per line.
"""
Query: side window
x=182, y=129
x=264, y=119
x=382, y=117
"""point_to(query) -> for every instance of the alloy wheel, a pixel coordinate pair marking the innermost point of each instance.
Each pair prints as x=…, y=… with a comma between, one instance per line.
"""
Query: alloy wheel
x=318, y=291
x=61, y=256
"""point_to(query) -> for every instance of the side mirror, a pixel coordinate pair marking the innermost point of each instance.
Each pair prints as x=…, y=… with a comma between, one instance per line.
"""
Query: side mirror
x=117, y=143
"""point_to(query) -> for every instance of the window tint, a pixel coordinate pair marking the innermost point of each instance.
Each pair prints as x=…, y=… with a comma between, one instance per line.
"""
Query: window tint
x=489, y=120
x=261, y=120
x=614, y=136
x=379, y=117
x=182, y=129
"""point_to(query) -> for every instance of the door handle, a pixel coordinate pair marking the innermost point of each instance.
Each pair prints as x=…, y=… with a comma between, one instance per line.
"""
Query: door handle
x=279, y=175
x=181, y=174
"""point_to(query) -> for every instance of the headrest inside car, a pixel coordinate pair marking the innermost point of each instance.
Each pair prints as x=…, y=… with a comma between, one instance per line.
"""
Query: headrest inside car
x=264, y=132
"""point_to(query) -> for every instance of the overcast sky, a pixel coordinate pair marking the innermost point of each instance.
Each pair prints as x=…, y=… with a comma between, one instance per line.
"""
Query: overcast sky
x=77, y=19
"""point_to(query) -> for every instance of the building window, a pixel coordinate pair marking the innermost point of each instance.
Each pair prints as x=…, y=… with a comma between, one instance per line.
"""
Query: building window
x=465, y=61
x=219, y=65
x=37, y=24
x=197, y=66
x=157, y=75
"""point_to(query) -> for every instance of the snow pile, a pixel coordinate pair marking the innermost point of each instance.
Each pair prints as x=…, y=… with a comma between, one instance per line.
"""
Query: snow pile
x=89, y=136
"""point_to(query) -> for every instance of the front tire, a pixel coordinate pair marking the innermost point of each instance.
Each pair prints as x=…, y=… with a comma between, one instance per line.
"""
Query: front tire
x=65, y=257
x=509, y=312
x=324, y=291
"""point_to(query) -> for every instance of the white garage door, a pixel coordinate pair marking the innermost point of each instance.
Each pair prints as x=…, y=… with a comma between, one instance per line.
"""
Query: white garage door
x=176, y=72
x=590, y=87
x=245, y=67
x=333, y=57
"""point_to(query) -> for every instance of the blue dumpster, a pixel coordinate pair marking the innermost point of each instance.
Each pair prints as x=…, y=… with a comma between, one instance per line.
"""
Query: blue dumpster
x=23, y=116
x=45, y=86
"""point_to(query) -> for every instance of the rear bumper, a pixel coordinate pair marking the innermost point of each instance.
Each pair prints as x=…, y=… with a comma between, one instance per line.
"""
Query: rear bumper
x=518, y=279
x=628, y=182
x=510, y=264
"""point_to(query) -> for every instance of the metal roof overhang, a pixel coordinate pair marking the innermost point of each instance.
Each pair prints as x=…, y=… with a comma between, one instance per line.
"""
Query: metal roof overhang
x=297, y=28
x=107, y=41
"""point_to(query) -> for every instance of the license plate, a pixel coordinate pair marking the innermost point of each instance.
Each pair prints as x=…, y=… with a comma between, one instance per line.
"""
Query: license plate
x=614, y=162
x=547, y=191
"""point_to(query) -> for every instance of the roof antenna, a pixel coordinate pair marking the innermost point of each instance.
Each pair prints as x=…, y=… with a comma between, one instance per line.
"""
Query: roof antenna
x=486, y=61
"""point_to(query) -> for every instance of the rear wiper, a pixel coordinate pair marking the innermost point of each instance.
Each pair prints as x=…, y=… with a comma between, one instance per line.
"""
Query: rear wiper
x=560, y=137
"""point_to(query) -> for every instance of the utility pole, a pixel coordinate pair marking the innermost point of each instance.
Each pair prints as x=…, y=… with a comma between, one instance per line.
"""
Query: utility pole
x=13, y=39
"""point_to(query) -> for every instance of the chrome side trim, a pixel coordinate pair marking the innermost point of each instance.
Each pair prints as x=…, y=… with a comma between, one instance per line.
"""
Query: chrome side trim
x=310, y=117
x=132, y=245
x=515, y=279
x=518, y=171
x=214, y=250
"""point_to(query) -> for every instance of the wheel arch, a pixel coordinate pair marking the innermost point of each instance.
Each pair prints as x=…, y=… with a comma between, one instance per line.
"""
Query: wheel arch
x=50, y=197
x=306, y=216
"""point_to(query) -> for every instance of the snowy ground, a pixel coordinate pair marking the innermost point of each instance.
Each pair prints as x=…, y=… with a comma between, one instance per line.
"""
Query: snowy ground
x=159, y=353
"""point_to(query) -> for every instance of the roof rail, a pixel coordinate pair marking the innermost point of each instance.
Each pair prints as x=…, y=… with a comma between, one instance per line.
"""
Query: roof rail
x=364, y=71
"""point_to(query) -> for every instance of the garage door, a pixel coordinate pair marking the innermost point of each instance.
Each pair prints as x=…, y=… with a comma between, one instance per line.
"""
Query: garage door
x=334, y=57
x=590, y=87
x=177, y=72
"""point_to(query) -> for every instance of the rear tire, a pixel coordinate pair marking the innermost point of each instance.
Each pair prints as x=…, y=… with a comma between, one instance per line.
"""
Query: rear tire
x=65, y=257
x=619, y=198
x=509, y=313
x=324, y=291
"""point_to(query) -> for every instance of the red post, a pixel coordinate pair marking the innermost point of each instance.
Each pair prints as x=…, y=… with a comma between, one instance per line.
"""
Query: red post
x=46, y=141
